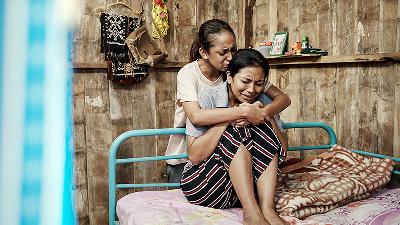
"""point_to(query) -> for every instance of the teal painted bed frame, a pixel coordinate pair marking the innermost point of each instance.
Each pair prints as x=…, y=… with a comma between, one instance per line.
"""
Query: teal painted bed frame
x=113, y=161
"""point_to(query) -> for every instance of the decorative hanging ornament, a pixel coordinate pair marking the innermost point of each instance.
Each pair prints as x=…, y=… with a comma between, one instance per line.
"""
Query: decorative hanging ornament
x=160, y=19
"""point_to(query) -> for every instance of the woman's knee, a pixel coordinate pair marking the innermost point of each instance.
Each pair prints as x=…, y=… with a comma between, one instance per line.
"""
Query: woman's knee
x=229, y=143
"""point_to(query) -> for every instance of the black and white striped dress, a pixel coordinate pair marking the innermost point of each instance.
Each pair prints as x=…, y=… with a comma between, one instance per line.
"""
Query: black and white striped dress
x=208, y=183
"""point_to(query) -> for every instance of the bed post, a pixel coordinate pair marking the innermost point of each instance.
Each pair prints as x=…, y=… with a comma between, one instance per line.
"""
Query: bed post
x=112, y=180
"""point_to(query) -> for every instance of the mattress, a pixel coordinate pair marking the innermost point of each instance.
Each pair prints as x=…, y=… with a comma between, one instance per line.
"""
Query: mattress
x=171, y=207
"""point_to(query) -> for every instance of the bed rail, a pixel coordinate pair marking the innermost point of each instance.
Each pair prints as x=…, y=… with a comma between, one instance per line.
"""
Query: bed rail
x=113, y=161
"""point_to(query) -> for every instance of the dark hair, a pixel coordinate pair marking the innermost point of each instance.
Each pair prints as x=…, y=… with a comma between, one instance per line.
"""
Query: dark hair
x=205, y=37
x=245, y=58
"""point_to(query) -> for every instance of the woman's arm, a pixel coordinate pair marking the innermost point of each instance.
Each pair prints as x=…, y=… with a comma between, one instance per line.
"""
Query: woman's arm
x=280, y=101
x=278, y=133
x=254, y=113
x=200, y=148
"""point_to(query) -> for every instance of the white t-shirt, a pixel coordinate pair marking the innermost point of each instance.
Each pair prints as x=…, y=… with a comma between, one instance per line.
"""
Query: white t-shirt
x=190, y=81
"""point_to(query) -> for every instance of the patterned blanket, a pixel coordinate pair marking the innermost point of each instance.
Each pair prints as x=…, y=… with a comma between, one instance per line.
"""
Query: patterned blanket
x=331, y=180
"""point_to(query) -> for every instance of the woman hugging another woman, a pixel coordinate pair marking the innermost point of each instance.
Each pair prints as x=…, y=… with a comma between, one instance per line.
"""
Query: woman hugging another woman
x=210, y=55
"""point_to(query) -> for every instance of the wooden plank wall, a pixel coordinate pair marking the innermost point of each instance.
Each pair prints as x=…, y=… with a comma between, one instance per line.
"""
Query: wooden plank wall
x=361, y=102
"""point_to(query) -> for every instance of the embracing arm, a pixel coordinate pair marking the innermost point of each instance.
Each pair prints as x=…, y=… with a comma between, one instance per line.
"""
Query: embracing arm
x=278, y=133
x=200, y=148
x=280, y=101
x=200, y=117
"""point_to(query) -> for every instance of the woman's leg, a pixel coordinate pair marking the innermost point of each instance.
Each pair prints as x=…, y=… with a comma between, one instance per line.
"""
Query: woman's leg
x=240, y=172
x=266, y=187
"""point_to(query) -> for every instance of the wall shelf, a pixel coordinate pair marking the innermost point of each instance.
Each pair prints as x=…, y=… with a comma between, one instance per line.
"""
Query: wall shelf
x=274, y=61
x=317, y=59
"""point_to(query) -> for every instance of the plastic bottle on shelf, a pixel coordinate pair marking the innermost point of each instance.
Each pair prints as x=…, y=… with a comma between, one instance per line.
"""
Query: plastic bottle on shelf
x=304, y=42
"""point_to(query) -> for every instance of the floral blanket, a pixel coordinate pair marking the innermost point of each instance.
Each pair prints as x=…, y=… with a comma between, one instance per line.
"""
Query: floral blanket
x=332, y=179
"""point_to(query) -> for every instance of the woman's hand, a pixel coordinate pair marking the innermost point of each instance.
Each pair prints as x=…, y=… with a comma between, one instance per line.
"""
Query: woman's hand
x=255, y=113
x=241, y=122
x=251, y=108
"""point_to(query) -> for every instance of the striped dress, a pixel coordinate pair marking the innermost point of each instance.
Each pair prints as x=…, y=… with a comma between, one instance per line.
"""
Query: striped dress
x=208, y=183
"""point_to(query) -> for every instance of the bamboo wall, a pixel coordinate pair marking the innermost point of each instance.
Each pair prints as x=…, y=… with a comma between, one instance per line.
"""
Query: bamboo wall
x=360, y=100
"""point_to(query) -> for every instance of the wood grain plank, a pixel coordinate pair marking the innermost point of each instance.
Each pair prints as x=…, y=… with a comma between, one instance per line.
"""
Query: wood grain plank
x=368, y=26
x=273, y=15
x=261, y=21
x=387, y=25
x=125, y=172
x=386, y=106
x=326, y=99
x=292, y=113
x=282, y=80
x=347, y=106
x=165, y=95
x=398, y=29
x=143, y=117
x=283, y=19
x=345, y=22
x=324, y=29
x=236, y=19
x=333, y=13
x=294, y=22
x=186, y=27
x=308, y=107
x=368, y=107
x=248, y=23
x=170, y=38
x=396, y=124
x=308, y=22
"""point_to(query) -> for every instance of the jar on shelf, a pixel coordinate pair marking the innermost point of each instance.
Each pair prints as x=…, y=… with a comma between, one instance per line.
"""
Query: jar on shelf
x=264, y=48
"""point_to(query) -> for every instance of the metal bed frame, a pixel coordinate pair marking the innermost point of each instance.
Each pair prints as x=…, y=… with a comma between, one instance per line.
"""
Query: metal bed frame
x=113, y=161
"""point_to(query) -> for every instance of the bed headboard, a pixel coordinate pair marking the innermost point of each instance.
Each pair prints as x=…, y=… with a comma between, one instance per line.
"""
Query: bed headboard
x=113, y=161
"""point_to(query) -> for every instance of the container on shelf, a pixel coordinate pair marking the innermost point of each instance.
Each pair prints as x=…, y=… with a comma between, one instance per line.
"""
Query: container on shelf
x=304, y=42
x=264, y=48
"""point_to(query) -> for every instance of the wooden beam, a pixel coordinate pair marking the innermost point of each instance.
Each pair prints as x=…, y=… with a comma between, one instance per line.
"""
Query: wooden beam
x=315, y=59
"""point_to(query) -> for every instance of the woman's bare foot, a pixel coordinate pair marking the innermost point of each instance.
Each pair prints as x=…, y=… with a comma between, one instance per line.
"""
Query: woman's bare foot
x=254, y=218
x=277, y=220
x=273, y=217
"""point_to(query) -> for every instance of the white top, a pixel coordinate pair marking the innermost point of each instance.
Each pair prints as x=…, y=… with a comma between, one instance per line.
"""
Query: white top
x=190, y=81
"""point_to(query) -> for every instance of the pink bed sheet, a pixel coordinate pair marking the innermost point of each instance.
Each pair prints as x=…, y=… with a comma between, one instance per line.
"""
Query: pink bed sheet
x=171, y=207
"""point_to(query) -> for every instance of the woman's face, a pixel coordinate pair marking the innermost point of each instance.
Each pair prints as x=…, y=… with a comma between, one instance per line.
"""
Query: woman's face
x=247, y=84
x=219, y=55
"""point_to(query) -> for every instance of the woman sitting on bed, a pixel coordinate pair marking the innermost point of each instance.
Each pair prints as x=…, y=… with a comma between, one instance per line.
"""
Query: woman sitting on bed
x=236, y=166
